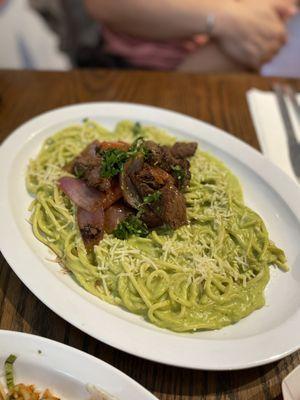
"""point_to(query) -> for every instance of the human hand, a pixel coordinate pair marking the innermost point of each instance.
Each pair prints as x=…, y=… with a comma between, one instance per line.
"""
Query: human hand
x=285, y=8
x=250, y=31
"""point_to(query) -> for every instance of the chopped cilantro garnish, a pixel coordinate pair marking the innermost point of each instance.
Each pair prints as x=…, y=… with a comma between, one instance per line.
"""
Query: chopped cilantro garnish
x=137, y=129
x=112, y=162
x=79, y=170
x=114, y=159
x=138, y=147
x=152, y=198
x=179, y=173
x=130, y=226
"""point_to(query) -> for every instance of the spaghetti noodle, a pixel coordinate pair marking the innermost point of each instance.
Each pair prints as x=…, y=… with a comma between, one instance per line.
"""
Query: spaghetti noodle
x=204, y=275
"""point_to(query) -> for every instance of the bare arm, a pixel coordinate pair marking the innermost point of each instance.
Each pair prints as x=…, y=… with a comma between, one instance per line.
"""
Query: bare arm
x=155, y=19
x=249, y=31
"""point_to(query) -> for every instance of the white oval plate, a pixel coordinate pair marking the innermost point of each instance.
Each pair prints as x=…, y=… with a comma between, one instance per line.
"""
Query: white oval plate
x=264, y=336
x=65, y=371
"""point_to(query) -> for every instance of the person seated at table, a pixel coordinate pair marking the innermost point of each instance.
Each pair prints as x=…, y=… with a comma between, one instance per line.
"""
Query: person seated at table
x=193, y=35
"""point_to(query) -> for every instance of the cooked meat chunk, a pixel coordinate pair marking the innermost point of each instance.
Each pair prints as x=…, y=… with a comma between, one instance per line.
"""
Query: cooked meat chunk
x=149, y=179
x=167, y=205
x=162, y=156
x=130, y=193
x=151, y=218
x=180, y=170
x=114, y=215
x=154, y=153
x=114, y=145
x=91, y=226
x=87, y=158
x=87, y=165
x=113, y=194
x=93, y=179
x=170, y=206
x=184, y=150
x=173, y=208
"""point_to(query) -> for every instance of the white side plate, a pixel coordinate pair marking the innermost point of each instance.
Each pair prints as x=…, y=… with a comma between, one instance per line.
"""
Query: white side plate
x=266, y=335
x=65, y=371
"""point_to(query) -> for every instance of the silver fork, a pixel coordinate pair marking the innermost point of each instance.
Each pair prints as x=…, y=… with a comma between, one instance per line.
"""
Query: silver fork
x=292, y=96
x=294, y=146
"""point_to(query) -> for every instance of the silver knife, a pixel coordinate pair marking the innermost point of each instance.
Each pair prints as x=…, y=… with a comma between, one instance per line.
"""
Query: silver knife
x=293, y=145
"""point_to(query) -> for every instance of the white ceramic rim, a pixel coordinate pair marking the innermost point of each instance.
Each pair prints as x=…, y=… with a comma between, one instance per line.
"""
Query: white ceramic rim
x=56, y=356
x=157, y=345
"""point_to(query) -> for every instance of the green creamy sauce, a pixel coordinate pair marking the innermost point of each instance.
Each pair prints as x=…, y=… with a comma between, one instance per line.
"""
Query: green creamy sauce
x=205, y=275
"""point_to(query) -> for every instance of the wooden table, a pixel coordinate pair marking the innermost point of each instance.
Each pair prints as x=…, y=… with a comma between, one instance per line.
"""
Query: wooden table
x=219, y=100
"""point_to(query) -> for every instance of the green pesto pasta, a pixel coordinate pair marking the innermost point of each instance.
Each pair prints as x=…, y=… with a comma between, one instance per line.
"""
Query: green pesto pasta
x=204, y=275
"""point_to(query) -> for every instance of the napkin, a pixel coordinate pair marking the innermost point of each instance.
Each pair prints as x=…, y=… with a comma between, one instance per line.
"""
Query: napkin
x=290, y=385
x=270, y=128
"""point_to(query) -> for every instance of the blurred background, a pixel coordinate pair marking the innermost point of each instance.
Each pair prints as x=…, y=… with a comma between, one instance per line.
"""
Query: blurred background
x=193, y=35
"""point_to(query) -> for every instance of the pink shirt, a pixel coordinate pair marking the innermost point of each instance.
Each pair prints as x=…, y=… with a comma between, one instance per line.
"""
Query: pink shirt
x=148, y=53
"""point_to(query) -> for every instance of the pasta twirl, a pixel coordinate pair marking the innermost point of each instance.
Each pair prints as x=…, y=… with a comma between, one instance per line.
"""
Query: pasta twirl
x=204, y=275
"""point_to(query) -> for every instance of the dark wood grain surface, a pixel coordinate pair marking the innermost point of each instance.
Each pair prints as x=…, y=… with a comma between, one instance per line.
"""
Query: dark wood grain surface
x=219, y=100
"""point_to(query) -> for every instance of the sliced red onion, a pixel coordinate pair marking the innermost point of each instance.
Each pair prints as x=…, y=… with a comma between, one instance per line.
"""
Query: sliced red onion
x=81, y=194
